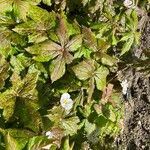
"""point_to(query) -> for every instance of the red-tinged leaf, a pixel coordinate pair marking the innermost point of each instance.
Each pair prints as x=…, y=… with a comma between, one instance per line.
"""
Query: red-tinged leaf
x=67, y=57
x=62, y=31
x=107, y=95
x=107, y=92
x=48, y=49
x=89, y=38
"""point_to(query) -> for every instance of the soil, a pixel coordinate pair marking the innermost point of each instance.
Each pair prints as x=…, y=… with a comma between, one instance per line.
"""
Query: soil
x=136, y=132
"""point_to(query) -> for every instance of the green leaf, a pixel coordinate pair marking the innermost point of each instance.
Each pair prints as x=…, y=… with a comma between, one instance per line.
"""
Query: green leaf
x=108, y=60
x=127, y=45
x=21, y=9
x=100, y=77
x=47, y=2
x=134, y=19
x=20, y=62
x=90, y=89
x=20, y=133
x=70, y=125
x=5, y=5
x=37, y=142
x=103, y=45
x=11, y=143
x=57, y=68
x=66, y=145
x=137, y=38
x=38, y=28
x=89, y=127
x=83, y=51
x=4, y=67
x=26, y=88
x=84, y=69
x=112, y=116
x=74, y=43
x=28, y=115
x=9, y=38
x=7, y=103
x=16, y=138
x=55, y=115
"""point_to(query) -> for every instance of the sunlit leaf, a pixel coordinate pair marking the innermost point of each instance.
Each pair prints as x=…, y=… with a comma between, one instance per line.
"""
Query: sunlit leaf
x=100, y=77
x=9, y=38
x=37, y=142
x=84, y=69
x=58, y=69
x=11, y=143
x=70, y=125
x=47, y=2
x=127, y=45
x=74, y=43
x=108, y=60
x=7, y=103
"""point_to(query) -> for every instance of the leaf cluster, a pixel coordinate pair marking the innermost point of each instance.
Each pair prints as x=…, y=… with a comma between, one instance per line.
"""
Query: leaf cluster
x=50, y=47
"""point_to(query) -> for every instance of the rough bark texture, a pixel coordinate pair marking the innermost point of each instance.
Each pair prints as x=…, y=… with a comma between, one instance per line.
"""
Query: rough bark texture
x=136, y=133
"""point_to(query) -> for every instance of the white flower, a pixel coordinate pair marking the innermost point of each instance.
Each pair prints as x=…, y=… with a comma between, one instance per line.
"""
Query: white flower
x=66, y=102
x=124, y=85
x=49, y=134
x=47, y=146
x=128, y=3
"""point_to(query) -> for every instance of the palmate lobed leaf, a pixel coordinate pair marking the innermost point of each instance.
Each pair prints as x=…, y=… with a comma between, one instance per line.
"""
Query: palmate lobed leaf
x=16, y=138
x=22, y=89
x=89, y=69
x=51, y=47
x=48, y=49
x=20, y=62
x=9, y=38
x=19, y=7
x=28, y=115
x=58, y=51
x=39, y=25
